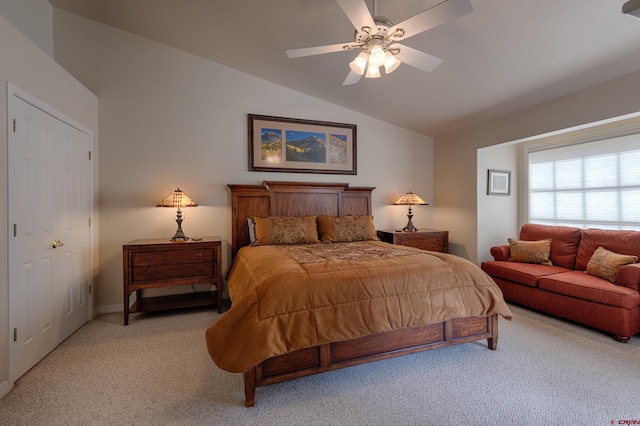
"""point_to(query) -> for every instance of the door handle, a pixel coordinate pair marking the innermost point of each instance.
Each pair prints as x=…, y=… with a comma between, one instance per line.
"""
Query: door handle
x=57, y=243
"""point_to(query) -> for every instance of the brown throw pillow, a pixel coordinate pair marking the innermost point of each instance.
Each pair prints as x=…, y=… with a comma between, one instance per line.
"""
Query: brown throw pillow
x=605, y=264
x=338, y=229
x=285, y=230
x=530, y=251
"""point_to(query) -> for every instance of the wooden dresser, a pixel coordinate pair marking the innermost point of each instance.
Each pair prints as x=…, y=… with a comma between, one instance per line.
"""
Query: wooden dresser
x=156, y=263
x=425, y=239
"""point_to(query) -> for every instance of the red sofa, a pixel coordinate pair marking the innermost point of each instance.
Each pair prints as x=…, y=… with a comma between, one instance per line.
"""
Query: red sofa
x=565, y=289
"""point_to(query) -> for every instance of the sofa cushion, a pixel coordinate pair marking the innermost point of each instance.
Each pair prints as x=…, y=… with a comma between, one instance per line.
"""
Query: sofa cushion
x=605, y=264
x=530, y=251
x=523, y=273
x=623, y=242
x=584, y=286
x=564, y=241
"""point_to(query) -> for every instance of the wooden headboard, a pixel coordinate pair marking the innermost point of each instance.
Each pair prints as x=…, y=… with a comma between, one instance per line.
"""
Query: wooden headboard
x=292, y=199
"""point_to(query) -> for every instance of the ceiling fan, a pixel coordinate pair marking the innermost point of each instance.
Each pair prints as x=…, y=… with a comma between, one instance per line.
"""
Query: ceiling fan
x=378, y=38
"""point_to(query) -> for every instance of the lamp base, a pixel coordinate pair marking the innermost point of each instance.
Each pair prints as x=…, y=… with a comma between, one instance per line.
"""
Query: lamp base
x=179, y=235
x=409, y=227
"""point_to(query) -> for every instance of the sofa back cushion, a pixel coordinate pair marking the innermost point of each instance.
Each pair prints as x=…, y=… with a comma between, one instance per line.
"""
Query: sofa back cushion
x=564, y=242
x=621, y=242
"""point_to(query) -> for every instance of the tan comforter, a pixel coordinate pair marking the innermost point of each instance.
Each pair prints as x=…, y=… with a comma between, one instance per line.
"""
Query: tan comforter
x=286, y=298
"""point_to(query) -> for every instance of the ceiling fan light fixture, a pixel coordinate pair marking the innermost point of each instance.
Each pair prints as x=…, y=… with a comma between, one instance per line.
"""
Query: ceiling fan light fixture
x=372, y=71
x=390, y=63
x=359, y=64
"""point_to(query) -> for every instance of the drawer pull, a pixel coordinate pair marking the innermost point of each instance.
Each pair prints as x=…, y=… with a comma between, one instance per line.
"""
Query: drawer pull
x=149, y=273
x=199, y=269
x=199, y=256
x=149, y=259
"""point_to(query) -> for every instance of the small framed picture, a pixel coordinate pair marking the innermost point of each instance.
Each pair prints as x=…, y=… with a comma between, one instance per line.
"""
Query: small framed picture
x=499, y=182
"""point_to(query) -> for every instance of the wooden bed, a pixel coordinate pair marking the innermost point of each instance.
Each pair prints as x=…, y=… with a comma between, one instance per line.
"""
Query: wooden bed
x=336, y=199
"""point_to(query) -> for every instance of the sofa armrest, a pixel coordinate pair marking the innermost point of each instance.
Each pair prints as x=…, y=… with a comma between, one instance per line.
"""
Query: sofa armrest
x=500, y=252
x=629, y=276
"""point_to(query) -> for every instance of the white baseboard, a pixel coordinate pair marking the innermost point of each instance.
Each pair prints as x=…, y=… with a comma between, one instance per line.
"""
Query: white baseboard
x=5, y=387
x=109, y=309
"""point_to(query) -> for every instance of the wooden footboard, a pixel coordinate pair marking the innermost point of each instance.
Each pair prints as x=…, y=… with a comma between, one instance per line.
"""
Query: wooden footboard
x=333, y=356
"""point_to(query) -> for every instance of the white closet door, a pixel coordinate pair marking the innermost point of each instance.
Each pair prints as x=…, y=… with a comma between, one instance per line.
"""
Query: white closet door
x=50, y=241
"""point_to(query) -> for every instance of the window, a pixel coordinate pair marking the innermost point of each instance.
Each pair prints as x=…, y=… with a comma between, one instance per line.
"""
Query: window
x=587, y=185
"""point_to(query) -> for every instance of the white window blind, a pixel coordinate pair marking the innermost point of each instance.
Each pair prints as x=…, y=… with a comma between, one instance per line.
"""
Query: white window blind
x=588, y=185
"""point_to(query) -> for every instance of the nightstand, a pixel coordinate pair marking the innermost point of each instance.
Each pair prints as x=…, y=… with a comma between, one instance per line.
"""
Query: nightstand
x=156, y=263
x=425, y=239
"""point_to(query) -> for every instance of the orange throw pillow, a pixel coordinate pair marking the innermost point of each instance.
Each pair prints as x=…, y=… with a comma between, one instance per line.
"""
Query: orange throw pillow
x=338, y=229
x=285, y=230
x=605, y=264
x=530, y=251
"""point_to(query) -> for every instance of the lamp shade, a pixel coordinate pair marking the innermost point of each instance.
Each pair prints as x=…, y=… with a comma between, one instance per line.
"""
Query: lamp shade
x=177, y=199
x=410, y=199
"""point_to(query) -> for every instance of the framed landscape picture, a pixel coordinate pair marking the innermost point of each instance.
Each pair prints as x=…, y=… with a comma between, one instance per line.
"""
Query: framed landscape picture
x=279, y=144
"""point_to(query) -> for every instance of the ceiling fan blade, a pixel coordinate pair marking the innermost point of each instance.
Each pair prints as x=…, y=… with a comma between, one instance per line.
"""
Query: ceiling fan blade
x=319, y=50
x=416, y=58
x=431, y=18
x=357, y=12
x=352, y=78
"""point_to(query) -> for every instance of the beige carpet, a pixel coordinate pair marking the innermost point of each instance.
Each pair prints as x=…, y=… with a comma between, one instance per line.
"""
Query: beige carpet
x=156, y=371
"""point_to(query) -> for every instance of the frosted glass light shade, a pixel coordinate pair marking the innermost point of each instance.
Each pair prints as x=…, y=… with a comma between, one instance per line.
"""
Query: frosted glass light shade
x=390, y=63
x=359, y=64
x=372, y=72
x=376, y=56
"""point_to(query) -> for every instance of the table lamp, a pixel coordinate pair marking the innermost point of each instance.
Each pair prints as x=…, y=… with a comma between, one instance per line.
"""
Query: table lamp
x=178, y=199
x=410, y=199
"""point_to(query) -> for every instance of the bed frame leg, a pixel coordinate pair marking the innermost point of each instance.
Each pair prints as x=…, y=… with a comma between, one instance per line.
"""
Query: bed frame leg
x=250, y=387
x=492, y=342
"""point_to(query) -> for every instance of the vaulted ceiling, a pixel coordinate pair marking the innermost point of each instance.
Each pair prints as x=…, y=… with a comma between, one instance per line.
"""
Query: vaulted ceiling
x=503, y=56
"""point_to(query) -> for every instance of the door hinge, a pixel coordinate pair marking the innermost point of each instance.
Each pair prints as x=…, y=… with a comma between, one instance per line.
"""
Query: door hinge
x=15, y=229
x=14, y=125
x=89, y=222
x=89, y=155
x=90, y=288
x=15, y=334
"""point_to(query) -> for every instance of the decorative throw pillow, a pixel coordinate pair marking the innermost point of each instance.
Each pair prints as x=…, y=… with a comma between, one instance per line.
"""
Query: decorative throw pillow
x=338, y=229
x=605, y=264
x=530, y=251
x=285, y=230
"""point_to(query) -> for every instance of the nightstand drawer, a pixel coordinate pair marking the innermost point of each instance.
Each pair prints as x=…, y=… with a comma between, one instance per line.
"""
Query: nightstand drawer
x=174, y=257
x=425, y=239
x=169, y=272
x=424, y=243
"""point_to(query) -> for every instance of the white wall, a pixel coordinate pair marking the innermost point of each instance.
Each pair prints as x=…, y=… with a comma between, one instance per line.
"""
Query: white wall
x=456, y=168
x=26, y=66
x=33, y=18
x=168, y=119
x=497, y=214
